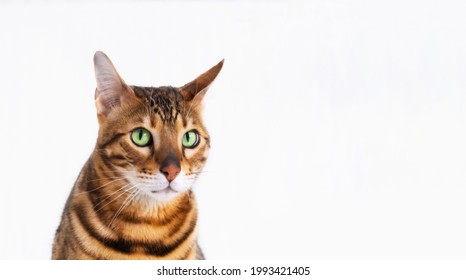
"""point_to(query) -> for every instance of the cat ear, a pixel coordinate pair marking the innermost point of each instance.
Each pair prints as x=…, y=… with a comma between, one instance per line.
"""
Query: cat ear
x=195, y=90
x=111, y=88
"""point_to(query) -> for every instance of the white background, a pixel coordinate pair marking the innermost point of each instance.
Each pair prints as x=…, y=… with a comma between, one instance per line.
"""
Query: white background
x=338, y=127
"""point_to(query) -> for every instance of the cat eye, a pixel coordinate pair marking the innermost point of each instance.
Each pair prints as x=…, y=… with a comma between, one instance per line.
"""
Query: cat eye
x=190, y=139
x=141, y=137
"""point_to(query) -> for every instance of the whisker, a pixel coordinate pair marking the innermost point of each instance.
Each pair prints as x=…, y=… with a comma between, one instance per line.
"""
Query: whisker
x=106, y=184
x=116, y=171
x=124, y=204
x=122, y=193
x=103, y=178
x=122, y=189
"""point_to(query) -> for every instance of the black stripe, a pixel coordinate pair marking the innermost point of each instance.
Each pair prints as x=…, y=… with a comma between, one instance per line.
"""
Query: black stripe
x=183, y=208
x=97, y=197
x=105, y=163
x=75, y=240
x=118, y=157
x=159, y=249
x=120, y=245
x=132, y=220
x=79, y=249
x=111, y=140
x=187, y=253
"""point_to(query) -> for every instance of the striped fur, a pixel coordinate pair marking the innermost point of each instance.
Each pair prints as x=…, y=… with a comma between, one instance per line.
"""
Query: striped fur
x=113, y=211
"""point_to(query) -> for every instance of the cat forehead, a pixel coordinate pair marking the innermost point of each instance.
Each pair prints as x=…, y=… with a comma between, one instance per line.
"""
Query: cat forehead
x=166, y=102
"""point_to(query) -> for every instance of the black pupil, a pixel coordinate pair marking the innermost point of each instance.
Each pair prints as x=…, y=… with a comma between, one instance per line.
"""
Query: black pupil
x=140, y=134
x=187, y=137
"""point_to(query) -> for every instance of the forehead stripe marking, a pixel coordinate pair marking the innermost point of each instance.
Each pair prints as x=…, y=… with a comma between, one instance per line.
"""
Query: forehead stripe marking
x=166, y=102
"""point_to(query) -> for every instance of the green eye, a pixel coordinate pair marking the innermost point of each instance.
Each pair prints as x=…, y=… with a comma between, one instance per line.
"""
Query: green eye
x=190, y=139
x=141, y=137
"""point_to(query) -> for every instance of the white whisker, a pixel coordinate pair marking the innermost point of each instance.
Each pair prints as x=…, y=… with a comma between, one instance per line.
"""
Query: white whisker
x=124, y=204
x=119, y=179
x=104, y=178
x=122, y=193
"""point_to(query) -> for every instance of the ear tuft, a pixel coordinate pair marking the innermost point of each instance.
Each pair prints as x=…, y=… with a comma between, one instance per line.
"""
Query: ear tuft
x=195, y=90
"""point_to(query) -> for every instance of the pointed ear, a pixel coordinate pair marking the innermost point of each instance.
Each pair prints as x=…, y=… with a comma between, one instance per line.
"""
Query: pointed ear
x=195, y=90
x=111, y=89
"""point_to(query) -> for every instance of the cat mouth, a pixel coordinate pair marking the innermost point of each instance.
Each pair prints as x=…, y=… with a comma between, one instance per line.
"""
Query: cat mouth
x=165, y=194
x=166, y=190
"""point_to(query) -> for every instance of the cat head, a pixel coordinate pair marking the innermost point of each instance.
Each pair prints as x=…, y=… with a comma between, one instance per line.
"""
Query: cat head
x=153, y=137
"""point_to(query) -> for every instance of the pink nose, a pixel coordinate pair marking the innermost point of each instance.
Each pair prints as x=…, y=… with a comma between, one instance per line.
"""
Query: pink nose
x=170, y=171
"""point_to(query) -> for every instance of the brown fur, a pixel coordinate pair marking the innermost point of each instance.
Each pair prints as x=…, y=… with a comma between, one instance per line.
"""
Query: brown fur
x=106, y=217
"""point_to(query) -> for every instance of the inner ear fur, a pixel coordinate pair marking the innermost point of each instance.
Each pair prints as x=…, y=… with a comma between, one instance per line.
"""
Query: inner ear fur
x=195, y=90
x=111, y=90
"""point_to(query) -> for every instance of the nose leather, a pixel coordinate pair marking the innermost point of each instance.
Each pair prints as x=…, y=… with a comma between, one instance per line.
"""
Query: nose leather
x=170, y=167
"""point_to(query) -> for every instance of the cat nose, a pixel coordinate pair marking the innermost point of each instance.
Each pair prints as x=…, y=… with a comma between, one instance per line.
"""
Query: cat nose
x=170, y=172
x=170, y=168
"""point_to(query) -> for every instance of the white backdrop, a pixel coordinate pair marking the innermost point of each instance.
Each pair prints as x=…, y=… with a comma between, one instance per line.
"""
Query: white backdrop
x=338, y=127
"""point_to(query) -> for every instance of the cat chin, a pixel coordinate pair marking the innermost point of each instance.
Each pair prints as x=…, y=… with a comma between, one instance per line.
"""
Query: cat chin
x=164, y=195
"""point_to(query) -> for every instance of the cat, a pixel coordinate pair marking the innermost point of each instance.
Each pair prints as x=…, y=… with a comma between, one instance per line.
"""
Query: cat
x=133, y=198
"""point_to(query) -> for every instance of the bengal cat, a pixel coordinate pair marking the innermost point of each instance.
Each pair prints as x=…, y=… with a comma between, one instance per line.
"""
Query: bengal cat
x=133, y=197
